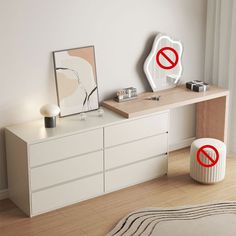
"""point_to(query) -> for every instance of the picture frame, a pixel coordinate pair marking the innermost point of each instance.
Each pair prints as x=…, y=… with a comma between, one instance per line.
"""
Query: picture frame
x=76, y=80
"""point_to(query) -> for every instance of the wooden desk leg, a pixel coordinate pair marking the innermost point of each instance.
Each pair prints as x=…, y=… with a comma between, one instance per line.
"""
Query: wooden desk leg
x=212, y=117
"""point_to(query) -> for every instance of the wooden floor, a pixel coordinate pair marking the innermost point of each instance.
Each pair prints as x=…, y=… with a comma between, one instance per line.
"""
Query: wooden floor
x=98, y=216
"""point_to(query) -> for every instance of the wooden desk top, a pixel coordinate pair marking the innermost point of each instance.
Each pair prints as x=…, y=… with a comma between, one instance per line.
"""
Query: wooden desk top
x=171, y=98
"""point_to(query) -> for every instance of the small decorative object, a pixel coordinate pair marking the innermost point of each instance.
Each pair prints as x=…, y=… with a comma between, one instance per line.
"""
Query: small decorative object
x=83, y=116
x=153, y=98
x=50, y=111
x=126, y=94
x=100, y=112
x=76, y=80
x=197, y=86
x=163, y=66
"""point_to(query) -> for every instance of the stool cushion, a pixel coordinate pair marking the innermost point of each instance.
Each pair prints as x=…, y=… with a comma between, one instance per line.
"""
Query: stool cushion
x=208, y=174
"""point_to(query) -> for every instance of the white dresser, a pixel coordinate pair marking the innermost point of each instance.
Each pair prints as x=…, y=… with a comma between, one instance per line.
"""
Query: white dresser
x=78, y=160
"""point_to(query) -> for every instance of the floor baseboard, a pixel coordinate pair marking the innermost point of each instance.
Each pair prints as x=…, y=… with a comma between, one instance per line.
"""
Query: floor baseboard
x=3, y=194
x=182, y=144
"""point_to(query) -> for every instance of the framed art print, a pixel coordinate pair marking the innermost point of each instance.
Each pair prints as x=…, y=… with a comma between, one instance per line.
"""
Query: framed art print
x=76, y=80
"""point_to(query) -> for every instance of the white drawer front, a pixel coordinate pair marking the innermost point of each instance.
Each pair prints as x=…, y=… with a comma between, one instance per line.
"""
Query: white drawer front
x=64, y=147
x=136, y=129
x=135, y=151
x=66, y=170
x=135, y=173
x=66, y=194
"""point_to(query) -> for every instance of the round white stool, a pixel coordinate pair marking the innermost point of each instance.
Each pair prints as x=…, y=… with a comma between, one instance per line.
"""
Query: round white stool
x=205, y=169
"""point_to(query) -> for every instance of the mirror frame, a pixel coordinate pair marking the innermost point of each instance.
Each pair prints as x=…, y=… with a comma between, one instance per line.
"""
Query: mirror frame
x=172, y=80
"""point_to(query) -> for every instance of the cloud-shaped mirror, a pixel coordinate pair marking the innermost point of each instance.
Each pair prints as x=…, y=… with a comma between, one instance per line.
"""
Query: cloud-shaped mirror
x=163, y=66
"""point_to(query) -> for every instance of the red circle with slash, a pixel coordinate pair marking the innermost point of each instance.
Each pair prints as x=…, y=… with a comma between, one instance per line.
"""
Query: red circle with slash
x=162, y=53
x=202, y=151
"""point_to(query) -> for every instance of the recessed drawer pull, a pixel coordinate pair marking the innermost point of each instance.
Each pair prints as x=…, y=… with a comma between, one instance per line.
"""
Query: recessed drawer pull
x=66, y=170
x=136, y=129
x=62, y=148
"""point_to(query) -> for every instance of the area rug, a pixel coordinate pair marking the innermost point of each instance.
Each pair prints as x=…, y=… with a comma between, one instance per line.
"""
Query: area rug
x=216, y=219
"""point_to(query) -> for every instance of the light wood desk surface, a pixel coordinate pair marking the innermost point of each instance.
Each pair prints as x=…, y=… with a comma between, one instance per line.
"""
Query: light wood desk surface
x=170, y=98
x=212, y=107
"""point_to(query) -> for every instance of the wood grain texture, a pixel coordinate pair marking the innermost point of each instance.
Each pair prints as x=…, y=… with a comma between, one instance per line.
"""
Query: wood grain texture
x=98, y=216
x=212, y=118
x=170, y=98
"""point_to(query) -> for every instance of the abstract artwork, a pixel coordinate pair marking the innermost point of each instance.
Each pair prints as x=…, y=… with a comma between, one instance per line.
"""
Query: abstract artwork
x=76, y=80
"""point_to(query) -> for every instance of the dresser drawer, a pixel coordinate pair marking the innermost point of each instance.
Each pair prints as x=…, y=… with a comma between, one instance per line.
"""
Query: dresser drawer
x=66, y=170
x=66, y=194
x=135, y=173
x=136, y=151
x=136, y=129
x=65, y=147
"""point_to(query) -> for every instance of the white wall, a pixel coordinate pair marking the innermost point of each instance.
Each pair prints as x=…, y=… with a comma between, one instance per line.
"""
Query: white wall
x=122, y=32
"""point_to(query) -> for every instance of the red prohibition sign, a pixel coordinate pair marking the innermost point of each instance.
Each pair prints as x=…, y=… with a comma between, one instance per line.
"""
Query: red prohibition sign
x=162, y=52
x=212, y=161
